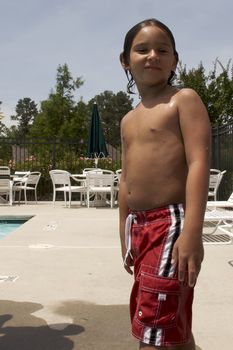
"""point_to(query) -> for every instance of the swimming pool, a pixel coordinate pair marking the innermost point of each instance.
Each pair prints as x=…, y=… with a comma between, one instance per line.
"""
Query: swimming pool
x=11, y=223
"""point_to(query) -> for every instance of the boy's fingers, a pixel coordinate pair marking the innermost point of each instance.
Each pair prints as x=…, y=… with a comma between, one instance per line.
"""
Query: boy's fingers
x=181, y=269
x=174, y=260
x=192, y=279
x=128, y=269
x=192, y=275
x=127, y=263
x=193, y=271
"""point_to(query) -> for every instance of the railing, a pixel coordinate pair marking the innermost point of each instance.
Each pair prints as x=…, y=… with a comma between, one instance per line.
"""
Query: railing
x=44, y=154
x=222, y=157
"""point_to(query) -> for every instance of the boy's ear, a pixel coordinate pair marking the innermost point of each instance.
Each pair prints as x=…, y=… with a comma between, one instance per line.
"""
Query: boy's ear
x=174, y=65
x=123, y=63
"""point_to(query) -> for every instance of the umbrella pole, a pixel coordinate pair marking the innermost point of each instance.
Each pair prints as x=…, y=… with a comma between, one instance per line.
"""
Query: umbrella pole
x=96, y=162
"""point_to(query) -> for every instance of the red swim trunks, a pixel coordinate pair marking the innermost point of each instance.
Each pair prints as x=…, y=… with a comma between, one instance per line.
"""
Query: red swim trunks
x=160, y=305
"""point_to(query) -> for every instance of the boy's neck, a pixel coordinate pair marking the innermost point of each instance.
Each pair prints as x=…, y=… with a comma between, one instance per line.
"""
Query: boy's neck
x=152, y=92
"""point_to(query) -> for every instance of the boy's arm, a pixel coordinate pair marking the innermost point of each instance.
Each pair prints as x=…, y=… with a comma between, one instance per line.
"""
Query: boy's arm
x=123, y=210
x=188, y=251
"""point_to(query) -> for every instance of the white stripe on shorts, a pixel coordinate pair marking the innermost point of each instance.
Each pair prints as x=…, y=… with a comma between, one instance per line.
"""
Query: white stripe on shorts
x=169, y=241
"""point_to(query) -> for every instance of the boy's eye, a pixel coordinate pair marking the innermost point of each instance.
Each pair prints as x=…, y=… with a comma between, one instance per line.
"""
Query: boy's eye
x=163, y=50
x=142, y=50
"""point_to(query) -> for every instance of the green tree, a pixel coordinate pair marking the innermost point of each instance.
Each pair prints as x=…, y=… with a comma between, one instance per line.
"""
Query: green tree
x=215, y=89
x=1, y=115
x=66, y=85
x=195, y=79
x=220, y=92
x=26, y=112
x=112, y=108
x=60, y=107
x=3, y=128
x=77, y=127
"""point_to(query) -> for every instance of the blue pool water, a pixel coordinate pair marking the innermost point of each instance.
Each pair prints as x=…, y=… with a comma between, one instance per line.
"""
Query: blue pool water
x=9, y=224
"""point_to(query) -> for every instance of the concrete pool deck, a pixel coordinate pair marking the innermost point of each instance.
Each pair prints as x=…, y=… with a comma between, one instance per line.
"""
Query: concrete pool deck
x=71, y=292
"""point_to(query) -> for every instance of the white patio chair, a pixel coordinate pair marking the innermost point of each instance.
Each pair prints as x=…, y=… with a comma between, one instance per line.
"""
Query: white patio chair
x=5, y=185
x=116, y=185
x=106, y=171
x=27, y=183
x=100, y=183
x=61, y=180
x=214, y=182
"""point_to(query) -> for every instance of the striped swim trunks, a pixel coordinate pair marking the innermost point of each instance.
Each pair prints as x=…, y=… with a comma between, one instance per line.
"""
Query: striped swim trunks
x=160, y=305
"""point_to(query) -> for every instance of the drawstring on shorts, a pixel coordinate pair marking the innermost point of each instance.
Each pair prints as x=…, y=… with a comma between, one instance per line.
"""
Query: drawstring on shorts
x=128, y=224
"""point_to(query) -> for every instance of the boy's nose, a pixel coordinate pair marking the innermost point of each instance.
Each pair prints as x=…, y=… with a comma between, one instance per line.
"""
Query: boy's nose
x=153, y=55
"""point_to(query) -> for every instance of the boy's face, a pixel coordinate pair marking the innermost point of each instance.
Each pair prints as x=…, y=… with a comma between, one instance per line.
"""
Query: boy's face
x=151, y=57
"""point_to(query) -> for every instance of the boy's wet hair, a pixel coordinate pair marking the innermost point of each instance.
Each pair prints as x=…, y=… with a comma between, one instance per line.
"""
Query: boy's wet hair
x=128, y=44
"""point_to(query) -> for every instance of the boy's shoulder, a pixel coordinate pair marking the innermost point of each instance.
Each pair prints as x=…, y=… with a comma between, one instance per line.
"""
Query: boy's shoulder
x=187, y=100
x=186, y=96
x=126, y=117
x=185, y=93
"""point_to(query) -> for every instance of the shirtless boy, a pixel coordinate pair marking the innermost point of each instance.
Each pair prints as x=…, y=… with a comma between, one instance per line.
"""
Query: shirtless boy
x=163, y=190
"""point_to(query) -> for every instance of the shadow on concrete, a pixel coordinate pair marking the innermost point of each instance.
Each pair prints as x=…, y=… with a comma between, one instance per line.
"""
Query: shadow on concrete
x=19, y=330
x=98, y=327
x=106, y=326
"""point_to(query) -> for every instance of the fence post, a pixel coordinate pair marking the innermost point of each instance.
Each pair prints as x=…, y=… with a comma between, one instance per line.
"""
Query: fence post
x=54, y=154
x=218, y=149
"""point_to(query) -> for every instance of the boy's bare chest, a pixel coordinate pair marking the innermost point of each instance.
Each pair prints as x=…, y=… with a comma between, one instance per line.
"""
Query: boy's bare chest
x=156, y=126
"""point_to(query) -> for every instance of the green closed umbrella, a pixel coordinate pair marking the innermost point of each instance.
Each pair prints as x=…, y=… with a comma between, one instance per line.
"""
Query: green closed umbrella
x=96, y=142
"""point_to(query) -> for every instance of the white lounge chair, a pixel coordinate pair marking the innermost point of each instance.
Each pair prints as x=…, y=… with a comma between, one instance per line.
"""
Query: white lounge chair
x=5, y=185
x=117, y=183
x=118, y=174
x=221, y=204
x=220, y=215
x=214, y=182
x=222, y=221
x=219, y=219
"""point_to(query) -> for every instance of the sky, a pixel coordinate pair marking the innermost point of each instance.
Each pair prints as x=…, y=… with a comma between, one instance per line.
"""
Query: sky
x=36, y=36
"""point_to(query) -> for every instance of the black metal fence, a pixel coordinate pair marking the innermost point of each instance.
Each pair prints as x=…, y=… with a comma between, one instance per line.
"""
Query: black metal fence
x=44, y=154
x=222, y=157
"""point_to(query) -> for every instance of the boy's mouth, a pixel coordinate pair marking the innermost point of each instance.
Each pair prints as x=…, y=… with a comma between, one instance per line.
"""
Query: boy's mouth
x=152, y=67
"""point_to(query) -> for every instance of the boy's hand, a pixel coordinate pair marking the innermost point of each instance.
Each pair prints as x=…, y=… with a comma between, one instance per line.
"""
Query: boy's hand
x=187, y=254
x=127, y=263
